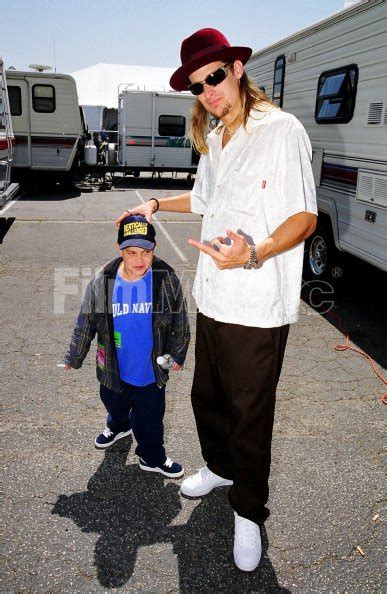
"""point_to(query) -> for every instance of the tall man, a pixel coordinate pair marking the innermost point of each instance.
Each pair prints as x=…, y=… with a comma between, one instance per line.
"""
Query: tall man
x=255, y=189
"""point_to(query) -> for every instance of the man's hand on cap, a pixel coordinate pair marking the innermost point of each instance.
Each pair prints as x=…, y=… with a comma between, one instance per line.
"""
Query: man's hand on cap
x=146, y=209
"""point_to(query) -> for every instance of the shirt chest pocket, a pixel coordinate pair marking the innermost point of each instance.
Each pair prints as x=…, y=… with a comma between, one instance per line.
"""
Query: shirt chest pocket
x=244, y=192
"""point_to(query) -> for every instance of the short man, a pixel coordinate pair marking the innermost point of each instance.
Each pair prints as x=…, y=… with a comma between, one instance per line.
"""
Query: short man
x=255, y=190
x=135, y=307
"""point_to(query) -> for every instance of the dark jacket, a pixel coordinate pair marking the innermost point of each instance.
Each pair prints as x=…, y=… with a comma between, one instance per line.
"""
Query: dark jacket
x=170, y=324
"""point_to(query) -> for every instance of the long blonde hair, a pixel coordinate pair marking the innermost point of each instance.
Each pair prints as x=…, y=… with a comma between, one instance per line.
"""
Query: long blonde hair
x=251, y=98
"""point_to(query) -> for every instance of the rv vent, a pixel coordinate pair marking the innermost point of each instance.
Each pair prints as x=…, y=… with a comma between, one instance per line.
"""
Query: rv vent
x=372, y=187
x=380, y=191
x=291, y=58
x=365, y=187
x=375, y=113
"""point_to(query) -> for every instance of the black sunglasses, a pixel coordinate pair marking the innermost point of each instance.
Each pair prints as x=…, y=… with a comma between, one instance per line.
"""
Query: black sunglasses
x=212, y=79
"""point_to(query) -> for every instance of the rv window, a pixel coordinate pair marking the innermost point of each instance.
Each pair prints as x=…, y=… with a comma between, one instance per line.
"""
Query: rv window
x=278, y=75
x=336, y=94
x=109, y=118
x=332, y=85
x=43, y=98
x=279, y=80
x=329, y=110
x=15, y=103
x=171, y=125
x=277, y=90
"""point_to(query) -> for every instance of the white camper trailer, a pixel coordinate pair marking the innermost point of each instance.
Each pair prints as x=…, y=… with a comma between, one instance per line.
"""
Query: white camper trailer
x=333, y=77
x=97, y=90
x=152, y=132
x=7, y=189
x=47, y=122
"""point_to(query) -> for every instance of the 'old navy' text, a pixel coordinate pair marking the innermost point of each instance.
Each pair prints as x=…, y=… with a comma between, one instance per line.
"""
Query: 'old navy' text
x=124, y=308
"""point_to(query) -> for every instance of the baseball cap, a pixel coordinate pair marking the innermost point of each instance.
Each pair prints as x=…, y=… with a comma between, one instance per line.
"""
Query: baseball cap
x=135, y=231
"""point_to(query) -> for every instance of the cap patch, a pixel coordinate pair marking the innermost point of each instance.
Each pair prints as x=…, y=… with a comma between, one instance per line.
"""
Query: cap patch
x=135, y=228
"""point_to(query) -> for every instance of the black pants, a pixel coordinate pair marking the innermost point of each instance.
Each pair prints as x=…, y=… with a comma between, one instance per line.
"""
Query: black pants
x=141, y=408
x=233, y=397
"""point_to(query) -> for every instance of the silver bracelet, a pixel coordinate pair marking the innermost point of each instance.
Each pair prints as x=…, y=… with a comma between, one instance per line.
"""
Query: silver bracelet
x=253, y=261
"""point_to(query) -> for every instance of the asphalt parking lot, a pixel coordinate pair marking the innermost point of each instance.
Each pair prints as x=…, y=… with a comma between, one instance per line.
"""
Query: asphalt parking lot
x=81, y=520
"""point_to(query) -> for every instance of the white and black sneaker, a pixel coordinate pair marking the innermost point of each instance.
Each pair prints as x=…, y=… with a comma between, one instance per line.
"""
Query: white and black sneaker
x=170, y=468
x=108, y=437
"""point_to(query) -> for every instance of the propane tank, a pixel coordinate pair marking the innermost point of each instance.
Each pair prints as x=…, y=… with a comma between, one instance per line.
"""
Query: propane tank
x=111, y=154
x=90, y=153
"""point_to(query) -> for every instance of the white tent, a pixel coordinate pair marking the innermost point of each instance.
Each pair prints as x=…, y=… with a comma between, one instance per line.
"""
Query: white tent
x=98, y=85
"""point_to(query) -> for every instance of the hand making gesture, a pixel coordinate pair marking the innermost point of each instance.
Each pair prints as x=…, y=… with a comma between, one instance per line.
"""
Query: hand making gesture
x=226, y=255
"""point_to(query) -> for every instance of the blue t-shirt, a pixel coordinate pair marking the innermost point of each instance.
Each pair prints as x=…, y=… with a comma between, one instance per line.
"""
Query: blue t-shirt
x=133, y=335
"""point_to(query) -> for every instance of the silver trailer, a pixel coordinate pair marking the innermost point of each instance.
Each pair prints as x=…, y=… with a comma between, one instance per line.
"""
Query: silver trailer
x=152, y=132
x=47, y=123
x=7, y=189
x=333, y=77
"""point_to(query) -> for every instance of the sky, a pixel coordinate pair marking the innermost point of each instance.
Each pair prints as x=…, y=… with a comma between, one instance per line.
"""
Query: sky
x=74, y=34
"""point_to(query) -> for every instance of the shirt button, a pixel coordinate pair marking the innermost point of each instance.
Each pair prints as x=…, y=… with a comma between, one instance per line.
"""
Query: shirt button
x=212, y=216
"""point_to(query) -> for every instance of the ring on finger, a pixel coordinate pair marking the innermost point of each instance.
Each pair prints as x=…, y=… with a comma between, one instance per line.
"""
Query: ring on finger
x=216, y=247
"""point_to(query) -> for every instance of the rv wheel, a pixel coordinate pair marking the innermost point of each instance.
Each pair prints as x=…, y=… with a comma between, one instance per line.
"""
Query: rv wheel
x=67, y=181
x=321, y=258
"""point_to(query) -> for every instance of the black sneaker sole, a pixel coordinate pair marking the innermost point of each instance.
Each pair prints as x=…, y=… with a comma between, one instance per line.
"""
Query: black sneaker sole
x=160, y=471
x=120, y=435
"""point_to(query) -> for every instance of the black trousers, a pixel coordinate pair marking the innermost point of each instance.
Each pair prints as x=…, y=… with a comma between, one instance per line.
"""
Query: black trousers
x=237, y=369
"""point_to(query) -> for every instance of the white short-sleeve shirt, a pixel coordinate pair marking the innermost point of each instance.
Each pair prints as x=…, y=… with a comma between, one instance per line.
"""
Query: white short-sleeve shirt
x=259, y=179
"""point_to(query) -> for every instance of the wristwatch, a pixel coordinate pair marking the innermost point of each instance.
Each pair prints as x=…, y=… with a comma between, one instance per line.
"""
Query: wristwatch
x=253, y=261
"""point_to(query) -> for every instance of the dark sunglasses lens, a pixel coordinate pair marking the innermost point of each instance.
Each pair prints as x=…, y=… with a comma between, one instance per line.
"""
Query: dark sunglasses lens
x=196, y=88
x=216, y=77
x=213, y=79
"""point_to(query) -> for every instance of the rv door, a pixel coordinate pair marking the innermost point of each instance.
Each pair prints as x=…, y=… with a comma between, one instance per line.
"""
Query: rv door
x=154, y=99
x=19, y=99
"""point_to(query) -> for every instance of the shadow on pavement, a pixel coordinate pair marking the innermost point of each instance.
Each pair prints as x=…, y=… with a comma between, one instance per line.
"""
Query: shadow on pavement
x=46, y=192
x=359, y=302
x=48, y=195
x=132, y=509
x=157, y=183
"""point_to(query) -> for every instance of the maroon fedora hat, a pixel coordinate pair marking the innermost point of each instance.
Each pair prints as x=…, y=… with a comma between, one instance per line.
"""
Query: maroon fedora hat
x=201, y=48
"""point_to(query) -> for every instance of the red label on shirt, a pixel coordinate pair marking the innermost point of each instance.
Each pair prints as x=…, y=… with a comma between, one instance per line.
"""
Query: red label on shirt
x=264, y=184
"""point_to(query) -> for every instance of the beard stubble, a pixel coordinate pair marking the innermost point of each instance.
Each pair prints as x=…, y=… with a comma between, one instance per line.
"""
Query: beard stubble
x=219, y=114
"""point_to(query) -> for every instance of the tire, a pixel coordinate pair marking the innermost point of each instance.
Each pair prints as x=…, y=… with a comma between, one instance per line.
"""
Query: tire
x=322, y=261
x=67, y=181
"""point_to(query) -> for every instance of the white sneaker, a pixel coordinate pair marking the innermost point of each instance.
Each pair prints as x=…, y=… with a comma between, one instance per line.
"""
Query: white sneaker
x=247, y=544
x=202, y=483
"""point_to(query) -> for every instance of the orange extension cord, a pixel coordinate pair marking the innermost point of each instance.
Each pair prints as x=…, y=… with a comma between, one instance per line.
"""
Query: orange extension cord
x=346, y=347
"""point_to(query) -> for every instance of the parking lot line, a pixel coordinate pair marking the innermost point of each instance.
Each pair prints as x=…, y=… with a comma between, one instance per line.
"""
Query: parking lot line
x=169, y=238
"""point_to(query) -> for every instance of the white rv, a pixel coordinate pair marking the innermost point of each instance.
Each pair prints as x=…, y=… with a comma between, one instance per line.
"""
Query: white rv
x=333, y=77
x=152, y=132
x=7, y=189
x=47, y=123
